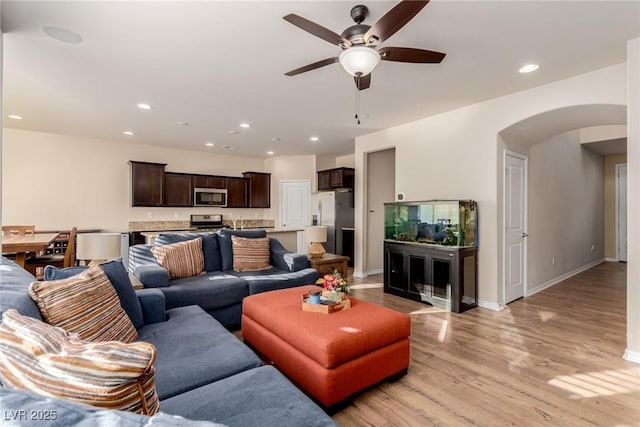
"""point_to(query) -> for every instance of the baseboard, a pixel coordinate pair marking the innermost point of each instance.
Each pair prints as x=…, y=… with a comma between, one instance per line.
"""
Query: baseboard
x=491, y=305
x=632, y=356
x=376, y=271
x=611, y=259
x=359, y=274
x=541, y=287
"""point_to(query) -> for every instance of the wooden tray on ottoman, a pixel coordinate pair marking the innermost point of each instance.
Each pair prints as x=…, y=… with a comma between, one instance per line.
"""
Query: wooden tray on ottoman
x=325, y=308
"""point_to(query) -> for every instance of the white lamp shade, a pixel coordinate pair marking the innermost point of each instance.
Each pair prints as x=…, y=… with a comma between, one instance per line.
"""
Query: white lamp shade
x=97, y=245
x=315, y=234
x=359, y=60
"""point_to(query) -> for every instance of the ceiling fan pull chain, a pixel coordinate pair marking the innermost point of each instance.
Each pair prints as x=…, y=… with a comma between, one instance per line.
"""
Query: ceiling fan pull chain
x=357, y=100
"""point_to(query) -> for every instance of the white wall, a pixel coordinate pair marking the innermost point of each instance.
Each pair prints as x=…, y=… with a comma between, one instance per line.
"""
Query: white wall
x=58, y=181
x=455, y=155
x=566, y=209
x=633, y=201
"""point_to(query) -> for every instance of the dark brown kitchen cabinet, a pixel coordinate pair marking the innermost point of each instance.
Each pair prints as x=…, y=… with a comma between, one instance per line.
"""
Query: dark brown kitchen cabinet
x=259, y=189
x=237, y=192
x=324, y=180
x=147, y=183
x=335, y=179
x=209, y=181
x=178, y=189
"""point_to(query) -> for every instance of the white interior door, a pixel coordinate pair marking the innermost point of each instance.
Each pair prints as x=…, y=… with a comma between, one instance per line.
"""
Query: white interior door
x=621, y=211
x=515, y=221
x=295, y=203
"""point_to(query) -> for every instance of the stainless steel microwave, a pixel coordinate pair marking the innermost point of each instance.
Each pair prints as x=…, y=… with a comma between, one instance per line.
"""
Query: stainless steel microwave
x=209, y=197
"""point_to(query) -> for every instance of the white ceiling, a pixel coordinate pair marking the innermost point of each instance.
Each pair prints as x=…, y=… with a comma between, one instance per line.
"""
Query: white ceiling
x=215, y=64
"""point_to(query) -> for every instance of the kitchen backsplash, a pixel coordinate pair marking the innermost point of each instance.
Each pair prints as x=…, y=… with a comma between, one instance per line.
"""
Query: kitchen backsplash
x=185, y=225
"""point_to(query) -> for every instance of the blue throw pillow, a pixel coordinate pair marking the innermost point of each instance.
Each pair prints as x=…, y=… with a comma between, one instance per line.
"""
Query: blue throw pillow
x=210, y=248
x=119, y=279
x=226, y=246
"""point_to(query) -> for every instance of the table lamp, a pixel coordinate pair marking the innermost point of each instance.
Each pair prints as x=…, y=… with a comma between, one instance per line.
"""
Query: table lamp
x=315, y=236
x=98, y=247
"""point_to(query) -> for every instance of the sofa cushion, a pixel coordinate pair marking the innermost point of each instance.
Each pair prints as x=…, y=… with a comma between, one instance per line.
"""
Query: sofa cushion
x=182, y=259
x=210, y=248
x=14, y=289
x=118, y=277
x=209, y=291
x=226, y=246
x=275, y=278
x=255, y=397
x=49, y=360
x=65, y=413
x=86, y=304
x=250, y=254
x=193, y=350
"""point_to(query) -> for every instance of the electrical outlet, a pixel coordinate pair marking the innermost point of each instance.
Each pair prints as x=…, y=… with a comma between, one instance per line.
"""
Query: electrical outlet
x=553, y=260
x=149, y=215
x=176, y=215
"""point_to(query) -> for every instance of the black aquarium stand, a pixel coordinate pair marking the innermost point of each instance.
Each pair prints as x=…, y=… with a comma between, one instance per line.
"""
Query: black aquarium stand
x=443, y=276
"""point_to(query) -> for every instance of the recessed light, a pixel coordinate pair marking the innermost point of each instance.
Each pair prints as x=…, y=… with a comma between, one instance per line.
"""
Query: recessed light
x=245, y=125
x=529, y=68
x=229, y=147
x=209, y=144
x=233, y=132
x=182, y=123
x=15, y=117
x=271, y=153
x=62, y=35
x=274, y=139
x=128, y=133
x=144, y=106
x=314, y=139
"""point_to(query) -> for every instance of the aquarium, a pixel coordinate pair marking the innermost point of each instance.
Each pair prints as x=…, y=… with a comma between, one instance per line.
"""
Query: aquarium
x=432, y=222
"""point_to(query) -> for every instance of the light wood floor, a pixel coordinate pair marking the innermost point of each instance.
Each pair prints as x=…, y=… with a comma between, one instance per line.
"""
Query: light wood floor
x=553, y=359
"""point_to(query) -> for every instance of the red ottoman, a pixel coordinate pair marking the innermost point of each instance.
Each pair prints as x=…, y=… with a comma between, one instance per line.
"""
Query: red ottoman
x=330, y=356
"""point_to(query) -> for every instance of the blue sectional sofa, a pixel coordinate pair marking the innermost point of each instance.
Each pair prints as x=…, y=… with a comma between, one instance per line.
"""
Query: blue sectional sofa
x=220, y=291
x=203, y=372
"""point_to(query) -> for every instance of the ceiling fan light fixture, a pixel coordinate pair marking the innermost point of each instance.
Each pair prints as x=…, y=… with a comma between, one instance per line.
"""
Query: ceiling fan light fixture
x=359, y=60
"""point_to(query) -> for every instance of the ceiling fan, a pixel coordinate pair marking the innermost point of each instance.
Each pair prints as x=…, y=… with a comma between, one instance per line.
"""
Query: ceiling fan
x=359, y=43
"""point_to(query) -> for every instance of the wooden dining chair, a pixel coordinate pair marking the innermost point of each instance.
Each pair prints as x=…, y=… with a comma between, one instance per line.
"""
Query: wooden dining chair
x=17, y=230
x=37, y=264
x=20, y=230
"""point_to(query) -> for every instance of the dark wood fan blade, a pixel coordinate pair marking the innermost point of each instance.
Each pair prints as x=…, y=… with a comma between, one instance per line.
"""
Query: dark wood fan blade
x=395, y=19
x=363, y=82
x=407, y=54
x=313, y=66
x=316, y=29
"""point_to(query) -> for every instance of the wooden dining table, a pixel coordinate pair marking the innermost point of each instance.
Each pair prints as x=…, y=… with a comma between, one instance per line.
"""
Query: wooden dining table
x=20, y=245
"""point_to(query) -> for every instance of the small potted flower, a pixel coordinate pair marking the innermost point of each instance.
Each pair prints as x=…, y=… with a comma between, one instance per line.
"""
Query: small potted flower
x=336, y=287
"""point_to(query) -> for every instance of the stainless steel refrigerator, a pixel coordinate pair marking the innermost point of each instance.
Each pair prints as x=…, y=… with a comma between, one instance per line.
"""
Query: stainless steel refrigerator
x=334, y=209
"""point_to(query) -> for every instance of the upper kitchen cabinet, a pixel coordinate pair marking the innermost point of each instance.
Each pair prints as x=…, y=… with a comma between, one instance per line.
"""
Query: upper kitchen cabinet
x=209, y=181
x=147, y=183
x=237, y=192
x=335, y=179
x=259, y=189
x=178, y=189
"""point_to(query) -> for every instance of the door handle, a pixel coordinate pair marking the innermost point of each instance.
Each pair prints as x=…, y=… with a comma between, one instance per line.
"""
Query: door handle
x=524, y=235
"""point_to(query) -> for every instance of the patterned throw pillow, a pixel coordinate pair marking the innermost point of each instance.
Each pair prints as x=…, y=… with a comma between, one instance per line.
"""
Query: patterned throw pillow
x=250, y=254
x=86, y=304
x=53, y=362
x=183, y=259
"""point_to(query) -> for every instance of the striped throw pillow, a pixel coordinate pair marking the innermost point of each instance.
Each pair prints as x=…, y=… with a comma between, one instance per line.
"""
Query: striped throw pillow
x=86, y=304
x=182, y=259
x=53, y=362
x=250, y=254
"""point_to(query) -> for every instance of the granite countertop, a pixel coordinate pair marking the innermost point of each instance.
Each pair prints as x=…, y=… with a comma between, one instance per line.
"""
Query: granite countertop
x=154, y=233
